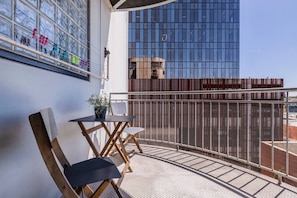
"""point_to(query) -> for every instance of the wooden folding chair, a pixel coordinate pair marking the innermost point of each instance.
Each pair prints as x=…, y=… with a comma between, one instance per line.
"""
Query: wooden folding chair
x=75, y=178
x=120, y=108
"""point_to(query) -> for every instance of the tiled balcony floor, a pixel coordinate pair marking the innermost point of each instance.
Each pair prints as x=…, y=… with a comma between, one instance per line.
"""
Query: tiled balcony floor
x=165, y=172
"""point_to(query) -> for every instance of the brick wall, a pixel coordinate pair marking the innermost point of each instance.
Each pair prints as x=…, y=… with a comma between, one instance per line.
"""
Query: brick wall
x=292, y=132
x=279, y=161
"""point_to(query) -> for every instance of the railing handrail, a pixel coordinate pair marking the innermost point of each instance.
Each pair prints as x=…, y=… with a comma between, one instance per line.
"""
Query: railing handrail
x=228, y=91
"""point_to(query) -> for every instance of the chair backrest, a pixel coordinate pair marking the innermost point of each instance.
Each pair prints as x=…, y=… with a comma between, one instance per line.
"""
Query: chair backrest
x=45, y=132
x=119, y=108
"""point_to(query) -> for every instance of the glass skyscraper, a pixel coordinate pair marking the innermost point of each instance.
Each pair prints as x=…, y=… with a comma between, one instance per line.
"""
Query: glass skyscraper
x=196, y=38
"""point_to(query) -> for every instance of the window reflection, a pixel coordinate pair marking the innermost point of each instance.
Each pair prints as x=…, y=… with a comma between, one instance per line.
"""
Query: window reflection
x=190, y=33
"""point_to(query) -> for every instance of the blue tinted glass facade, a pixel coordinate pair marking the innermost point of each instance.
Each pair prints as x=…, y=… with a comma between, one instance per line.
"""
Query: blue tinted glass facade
x=197, y=38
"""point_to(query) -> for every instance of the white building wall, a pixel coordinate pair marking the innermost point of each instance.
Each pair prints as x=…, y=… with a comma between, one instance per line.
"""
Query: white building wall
x=118, y=46
x=25, y=90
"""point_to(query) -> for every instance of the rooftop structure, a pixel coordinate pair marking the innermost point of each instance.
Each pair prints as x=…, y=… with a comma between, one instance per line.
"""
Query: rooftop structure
x=146, y=68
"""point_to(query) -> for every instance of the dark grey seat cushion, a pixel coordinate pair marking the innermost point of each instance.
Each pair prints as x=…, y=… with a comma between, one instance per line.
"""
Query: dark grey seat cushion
x=90, y=171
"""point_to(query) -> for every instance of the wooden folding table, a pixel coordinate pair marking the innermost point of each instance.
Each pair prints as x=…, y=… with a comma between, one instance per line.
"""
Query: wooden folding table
x=114, y=136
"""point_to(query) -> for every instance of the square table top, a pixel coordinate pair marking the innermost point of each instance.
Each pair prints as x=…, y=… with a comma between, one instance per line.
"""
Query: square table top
x=108, y=118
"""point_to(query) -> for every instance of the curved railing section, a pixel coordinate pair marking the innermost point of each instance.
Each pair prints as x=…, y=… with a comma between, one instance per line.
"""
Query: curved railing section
x=255, y=127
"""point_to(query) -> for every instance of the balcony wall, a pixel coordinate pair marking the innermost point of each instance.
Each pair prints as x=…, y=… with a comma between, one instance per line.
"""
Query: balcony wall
x=26, y=90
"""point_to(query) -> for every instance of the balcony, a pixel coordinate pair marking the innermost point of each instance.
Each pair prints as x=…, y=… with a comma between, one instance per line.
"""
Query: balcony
x=244, y=147
x=166, y=172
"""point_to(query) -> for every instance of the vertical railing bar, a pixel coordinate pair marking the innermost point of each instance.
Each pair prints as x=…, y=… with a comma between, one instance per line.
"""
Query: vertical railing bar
x=151, y=109
x=260, y=133
x=181, y=122
x=272, y=135
x=144, y=113
x=228, y=128
x=134, y=103
x=195, y=123
x=138, y=117
x=287, y=135
x=169, y=121
x=237, y=132
x=162, y=120
x=188, y=122
x=156, y=121
x=202, y=125
x=249, y=106
x=175, y=112
x=133, y=109
x=210, y=125
x=219, y=127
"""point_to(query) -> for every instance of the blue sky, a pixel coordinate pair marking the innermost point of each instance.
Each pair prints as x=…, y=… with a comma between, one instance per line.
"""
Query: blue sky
x=268, y=40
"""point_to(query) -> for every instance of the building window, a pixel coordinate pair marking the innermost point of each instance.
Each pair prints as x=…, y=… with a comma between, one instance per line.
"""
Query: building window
x=49, y=34
x=189, y=32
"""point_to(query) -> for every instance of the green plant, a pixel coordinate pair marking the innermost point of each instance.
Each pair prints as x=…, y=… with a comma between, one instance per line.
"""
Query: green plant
x=100, y=102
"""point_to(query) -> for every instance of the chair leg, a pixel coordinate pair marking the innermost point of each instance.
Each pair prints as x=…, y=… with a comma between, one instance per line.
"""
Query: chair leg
x=116, y=188
x=87, y=191
x=133, y=137
x=126, y=139
x=100, y=189
x=137, y=144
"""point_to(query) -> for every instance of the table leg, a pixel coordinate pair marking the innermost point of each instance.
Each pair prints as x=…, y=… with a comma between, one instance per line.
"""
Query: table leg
x=111, y=139
x=84, y=132
x=125, y=154
x=108, y=149
x=116, y=135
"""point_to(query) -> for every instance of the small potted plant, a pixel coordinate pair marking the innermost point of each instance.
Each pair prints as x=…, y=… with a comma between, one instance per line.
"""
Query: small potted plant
x=101, y=103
